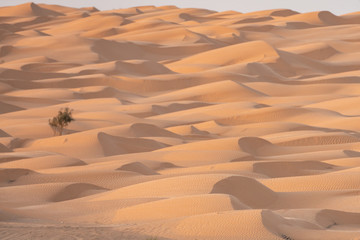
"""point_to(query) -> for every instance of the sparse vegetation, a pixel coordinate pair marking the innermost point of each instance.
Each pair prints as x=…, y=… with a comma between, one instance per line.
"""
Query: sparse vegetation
x=61, y=120
x=283, y=236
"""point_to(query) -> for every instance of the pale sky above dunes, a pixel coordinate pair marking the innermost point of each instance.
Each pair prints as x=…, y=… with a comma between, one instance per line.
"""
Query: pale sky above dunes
x=335, y=6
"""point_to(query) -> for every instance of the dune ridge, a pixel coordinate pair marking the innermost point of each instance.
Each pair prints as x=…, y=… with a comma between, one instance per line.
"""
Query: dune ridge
x=189, y=124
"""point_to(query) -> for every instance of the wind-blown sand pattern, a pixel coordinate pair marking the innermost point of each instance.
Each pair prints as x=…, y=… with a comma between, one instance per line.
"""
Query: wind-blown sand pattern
x=190, y=124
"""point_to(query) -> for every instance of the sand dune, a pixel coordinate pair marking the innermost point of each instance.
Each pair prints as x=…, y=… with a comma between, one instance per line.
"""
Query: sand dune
x=222, y=91
x=137, y=167
x=44, y=162
x=258, y=197
x=212, y=59
x=76, y=190
x=189, y=124
x=28, y=9
x=169, y=208
x=329, y=223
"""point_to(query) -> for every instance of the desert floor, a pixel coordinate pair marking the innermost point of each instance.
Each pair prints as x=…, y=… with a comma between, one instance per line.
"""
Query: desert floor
x=189, y=124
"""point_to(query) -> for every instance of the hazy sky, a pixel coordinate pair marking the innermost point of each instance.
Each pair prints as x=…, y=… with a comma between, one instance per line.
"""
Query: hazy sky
x=336, y=6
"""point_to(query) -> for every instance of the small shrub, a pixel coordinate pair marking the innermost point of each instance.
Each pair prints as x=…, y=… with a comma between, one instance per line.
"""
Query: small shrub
x=283, y=236
x=61, y=120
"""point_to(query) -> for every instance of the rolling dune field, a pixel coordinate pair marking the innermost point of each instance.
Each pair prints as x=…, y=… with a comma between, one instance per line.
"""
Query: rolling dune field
x=190, y=124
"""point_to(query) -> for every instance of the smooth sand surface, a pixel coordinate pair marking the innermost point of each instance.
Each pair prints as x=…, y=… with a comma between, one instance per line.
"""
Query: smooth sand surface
x=190, y=124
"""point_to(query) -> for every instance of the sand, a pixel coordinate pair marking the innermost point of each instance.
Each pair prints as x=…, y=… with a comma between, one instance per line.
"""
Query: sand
x=189, y=124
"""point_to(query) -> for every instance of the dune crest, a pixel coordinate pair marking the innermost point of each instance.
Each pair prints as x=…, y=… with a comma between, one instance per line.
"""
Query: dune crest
x=27, y=10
